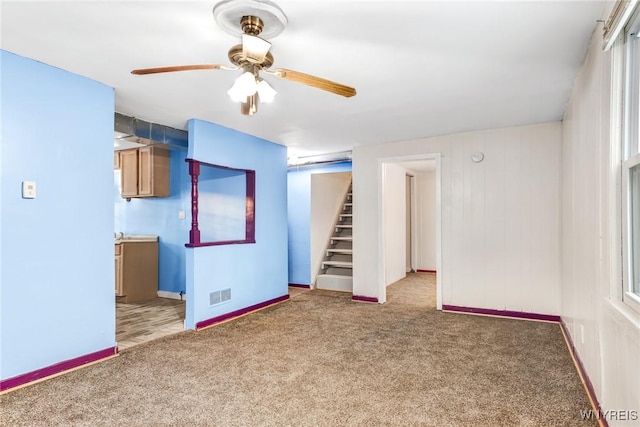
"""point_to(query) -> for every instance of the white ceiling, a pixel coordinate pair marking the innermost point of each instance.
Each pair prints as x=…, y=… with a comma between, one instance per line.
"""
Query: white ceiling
x=421, y=68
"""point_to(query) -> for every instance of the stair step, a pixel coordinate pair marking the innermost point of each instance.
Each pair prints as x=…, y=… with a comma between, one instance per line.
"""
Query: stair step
x=348, y=238
x=341, y=264
x=339, y=251
x=346, y=215
x=344, y=226
x=348, y=204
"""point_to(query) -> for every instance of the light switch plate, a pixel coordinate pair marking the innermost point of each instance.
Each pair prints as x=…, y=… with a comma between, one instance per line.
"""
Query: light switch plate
x=181, y=214
x=28, y=189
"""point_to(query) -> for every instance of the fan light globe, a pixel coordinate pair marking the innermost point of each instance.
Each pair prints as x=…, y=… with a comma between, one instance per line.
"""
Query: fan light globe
x=236, y=96
x=244, y=86
x=266, y=92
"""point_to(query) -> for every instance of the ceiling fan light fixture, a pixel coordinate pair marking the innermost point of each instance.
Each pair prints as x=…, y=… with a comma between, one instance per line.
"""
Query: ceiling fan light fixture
x=259, y=20
x=265, y=92
x=244, y=86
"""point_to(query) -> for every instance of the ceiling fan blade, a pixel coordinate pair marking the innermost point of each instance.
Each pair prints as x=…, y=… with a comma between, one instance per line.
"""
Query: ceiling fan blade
x=309, y=80
x=181, y=68
x=254, y=48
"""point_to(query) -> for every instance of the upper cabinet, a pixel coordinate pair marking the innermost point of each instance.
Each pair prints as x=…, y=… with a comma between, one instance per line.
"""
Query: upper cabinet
x=144, y=172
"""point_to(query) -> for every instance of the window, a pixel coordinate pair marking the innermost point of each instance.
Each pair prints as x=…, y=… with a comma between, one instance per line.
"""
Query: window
x=222, y=205
x=631, y=166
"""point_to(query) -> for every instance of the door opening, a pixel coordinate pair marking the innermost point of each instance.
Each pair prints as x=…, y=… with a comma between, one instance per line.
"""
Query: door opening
x=143, y=312
x=421, y=214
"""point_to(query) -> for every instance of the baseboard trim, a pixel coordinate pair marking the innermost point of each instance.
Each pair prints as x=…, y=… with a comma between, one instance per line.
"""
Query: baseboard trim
x=361, y=298
x=299, y=285
x=57, y=369
x=426, y=271
x=502, y=313
x=582, y=373
x=172, y=295
x=238, y=313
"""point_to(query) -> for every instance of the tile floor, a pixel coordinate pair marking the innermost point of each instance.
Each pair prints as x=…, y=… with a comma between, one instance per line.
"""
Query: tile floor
x=145, y=321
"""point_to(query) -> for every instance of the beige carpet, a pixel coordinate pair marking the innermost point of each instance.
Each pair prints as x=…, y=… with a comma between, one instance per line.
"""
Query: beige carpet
x=322, y=360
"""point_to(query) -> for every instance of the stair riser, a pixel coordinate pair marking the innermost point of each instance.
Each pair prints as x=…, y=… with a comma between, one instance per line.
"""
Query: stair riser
x=335, y=283
x=335, y=264
x=334, y=252
x=341, y=244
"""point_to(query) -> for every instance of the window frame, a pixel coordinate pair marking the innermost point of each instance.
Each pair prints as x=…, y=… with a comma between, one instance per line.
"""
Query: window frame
x=250, y=206
x=630, y=153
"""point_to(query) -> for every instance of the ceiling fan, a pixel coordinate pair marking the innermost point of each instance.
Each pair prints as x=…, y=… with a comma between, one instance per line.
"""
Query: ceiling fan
x=250, y=19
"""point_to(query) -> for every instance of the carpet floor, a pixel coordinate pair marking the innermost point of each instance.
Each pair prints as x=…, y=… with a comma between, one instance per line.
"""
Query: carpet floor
x=320, y=359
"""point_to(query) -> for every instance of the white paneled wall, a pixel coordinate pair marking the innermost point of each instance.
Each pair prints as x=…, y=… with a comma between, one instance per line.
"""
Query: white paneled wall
x=500, y=218
x=395, y=218
x=426, y=220
x=605, y=332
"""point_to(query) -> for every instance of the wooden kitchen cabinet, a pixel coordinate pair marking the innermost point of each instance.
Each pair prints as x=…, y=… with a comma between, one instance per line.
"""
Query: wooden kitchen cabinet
x=136, y=271
x=129, y=173
x=144, y=172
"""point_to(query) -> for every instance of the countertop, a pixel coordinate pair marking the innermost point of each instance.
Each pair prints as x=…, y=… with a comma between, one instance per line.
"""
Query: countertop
x=135, y=238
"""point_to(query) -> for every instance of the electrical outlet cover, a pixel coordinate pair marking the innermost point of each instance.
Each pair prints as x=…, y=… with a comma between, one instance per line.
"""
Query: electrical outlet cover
x=28, y=190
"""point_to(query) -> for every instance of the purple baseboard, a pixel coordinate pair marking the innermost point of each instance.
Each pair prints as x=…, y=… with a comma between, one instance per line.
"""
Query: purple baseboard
x=583, y=374
x=426, y=271
x=299, y=285
x=56, y=369
x=502, y=313
x=237, y=313
x=360, y=298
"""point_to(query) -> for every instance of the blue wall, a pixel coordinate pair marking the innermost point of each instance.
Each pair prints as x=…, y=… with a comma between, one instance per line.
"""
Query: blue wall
x=159, y=216
x=299, y=212
x=57, y=275
x=255, y=272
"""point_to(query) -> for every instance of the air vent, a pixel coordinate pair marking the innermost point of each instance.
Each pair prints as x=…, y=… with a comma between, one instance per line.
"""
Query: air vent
x=218, y=297
x=225, y=295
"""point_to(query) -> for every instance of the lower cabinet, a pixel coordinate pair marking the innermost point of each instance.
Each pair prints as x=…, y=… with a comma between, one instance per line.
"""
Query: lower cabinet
x=136, y=270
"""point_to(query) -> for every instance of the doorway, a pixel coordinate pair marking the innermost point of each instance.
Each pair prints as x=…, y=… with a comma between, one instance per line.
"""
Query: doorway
x=417, y=180
x=149, y=251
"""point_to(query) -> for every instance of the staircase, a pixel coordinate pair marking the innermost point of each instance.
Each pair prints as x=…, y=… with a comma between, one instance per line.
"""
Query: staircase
x=336, y=270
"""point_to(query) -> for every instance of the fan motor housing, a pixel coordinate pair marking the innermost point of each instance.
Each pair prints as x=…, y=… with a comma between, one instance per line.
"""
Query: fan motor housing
x=237, y=58
x=251, y=25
